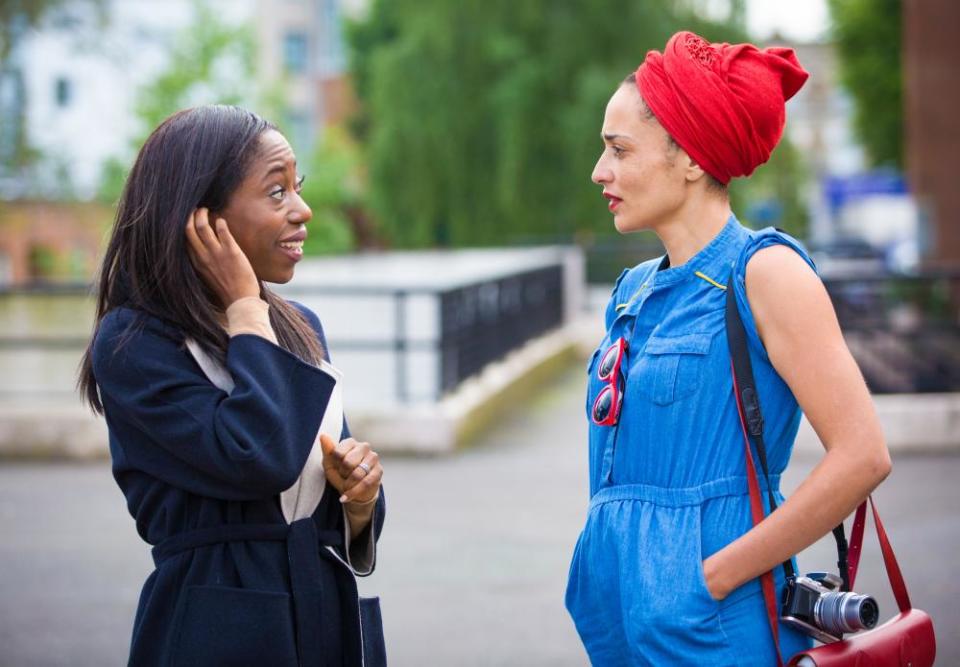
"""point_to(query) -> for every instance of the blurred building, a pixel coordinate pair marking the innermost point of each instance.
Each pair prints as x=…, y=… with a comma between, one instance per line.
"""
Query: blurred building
x=931, y=57
x=69, y=87
x=302, y=45
x=73, y=80
x=819, y=115
x=819, y=125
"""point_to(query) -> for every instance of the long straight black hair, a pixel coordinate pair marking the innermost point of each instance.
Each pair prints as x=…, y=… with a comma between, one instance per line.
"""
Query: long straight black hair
x=197, y=157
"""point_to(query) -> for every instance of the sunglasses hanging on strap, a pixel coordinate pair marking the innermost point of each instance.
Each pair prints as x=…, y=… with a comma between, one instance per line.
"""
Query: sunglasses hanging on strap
x=906, y=639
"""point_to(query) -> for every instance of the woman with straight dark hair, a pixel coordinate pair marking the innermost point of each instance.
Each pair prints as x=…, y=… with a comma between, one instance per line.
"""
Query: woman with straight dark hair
x=225, y=418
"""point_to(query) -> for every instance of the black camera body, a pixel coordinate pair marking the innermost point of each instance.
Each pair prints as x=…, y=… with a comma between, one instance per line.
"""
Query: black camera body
x=815, y=605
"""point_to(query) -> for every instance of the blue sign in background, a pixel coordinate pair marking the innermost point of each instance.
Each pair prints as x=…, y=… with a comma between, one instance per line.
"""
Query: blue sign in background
x=840, y=190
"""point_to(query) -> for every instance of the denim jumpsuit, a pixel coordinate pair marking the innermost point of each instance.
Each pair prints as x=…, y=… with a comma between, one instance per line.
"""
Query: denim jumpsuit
x=667, y=484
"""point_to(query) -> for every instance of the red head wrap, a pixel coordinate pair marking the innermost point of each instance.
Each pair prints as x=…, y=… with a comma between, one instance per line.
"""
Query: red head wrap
x=723, y=103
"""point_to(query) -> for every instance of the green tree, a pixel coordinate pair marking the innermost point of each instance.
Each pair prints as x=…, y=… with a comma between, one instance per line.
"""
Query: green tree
x=334, y=187
x=18, y=16
x=868, y=37
x=481, y=119
x=210, y=62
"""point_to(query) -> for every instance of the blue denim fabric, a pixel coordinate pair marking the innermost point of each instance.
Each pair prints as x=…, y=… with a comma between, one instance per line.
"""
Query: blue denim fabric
x=668, y=484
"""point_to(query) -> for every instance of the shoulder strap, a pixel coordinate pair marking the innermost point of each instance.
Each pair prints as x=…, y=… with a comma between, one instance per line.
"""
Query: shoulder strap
x=747, y=399
x=889, y=559
x=751, y=422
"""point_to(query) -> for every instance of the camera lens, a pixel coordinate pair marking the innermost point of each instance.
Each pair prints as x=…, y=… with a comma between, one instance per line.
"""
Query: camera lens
x=869, y=613
x=839, y=613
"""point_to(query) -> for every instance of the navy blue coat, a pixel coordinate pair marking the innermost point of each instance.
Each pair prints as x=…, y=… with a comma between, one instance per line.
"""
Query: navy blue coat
x=201, y=470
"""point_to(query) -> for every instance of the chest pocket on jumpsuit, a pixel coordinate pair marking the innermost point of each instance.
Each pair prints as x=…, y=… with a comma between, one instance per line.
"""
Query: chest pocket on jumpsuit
x=670, y=367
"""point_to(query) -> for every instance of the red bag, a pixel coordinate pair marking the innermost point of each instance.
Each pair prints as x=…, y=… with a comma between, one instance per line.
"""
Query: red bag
x=906, y=639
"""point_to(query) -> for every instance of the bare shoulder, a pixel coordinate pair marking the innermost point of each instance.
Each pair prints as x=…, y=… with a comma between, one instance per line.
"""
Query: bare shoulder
x=778, y=265
x=786, y=296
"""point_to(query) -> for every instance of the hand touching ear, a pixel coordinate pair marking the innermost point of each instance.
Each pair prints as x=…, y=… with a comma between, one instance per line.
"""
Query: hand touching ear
x=219, y=260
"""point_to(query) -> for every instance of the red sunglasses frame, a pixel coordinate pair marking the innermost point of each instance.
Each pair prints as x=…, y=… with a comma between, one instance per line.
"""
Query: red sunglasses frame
x=611, y=384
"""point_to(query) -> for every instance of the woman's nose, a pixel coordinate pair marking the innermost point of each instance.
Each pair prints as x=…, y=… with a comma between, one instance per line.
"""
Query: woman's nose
x=601, y=174
x=301, y=213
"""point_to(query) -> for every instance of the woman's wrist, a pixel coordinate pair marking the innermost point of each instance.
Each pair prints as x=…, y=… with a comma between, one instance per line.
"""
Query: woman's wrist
x=359, y=514
x=250, y=315
x=361, y=507
x=717, y=586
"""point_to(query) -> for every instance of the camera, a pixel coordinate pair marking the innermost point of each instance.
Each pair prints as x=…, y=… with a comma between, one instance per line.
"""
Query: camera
x=815, y=605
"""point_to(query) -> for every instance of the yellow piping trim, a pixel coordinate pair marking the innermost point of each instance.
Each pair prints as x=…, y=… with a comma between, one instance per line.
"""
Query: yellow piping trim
x=710, y=280
x=635, y=295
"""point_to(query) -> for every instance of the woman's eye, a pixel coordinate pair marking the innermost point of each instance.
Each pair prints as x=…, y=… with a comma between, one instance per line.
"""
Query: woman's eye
x=617, y=151
x=280, y=192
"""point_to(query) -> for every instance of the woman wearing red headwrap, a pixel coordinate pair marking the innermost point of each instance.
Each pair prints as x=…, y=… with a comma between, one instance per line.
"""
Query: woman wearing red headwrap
x=667, y=569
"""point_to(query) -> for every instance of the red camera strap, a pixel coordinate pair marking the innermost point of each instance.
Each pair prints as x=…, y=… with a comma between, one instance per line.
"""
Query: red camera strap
x=889, y=558
x=756, y=511
x=856, y=541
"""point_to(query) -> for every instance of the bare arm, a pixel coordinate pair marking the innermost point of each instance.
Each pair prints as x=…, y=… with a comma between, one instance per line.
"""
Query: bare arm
x=798, y=327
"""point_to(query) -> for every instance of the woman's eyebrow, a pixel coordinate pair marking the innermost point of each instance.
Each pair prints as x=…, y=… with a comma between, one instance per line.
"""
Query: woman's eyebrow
x=613, y=137
x=278, y=167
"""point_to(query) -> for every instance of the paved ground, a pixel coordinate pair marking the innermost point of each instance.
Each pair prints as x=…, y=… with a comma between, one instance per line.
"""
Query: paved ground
x=472, y=564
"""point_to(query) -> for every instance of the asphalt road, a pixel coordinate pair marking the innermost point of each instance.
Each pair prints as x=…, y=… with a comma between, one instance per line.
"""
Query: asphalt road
x=472, y=564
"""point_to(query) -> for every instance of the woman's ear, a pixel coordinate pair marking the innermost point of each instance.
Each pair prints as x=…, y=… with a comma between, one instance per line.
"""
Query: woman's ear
x=692, y=171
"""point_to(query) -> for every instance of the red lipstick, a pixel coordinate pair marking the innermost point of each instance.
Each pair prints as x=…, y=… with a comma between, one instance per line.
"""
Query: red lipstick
x=613, y=199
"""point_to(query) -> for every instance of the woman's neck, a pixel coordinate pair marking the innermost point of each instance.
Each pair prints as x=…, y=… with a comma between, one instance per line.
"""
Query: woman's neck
x=693, y=227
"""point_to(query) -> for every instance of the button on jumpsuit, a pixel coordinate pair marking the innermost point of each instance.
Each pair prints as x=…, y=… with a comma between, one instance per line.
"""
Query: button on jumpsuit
x=668, y=484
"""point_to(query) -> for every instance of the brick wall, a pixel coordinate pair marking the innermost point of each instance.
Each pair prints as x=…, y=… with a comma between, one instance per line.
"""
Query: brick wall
x=931, y=68
x=51, y=241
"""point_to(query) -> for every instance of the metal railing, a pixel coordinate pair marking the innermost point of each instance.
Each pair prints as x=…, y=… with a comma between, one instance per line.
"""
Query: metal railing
x=903, y=330
x=478, y=323
x=481, y=323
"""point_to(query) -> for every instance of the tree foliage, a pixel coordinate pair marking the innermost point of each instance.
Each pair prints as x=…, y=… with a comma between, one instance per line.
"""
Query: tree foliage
x=18, y=16
x=333, y=186
x=210, y=62
x=213, y=62
x=481, y=119
x=868, y=37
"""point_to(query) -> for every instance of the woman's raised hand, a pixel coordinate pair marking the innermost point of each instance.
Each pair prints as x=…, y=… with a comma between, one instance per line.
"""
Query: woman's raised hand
x=219, y=260
x=353, y=468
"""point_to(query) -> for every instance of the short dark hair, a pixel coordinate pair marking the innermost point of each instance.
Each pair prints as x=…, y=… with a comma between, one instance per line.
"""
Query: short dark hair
x=712, y=183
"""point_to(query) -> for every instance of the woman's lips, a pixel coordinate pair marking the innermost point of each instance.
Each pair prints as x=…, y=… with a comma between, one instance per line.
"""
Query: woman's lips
x=293, y=250
x=614, y=201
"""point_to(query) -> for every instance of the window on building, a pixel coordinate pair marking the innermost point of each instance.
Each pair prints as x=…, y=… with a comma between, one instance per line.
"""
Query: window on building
x=332, y=57
x=63, y=91
x=12, y=105
x=295, y=52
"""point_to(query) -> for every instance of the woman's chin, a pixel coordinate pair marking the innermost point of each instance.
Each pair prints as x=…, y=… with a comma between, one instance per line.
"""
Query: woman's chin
x=625, y=225
x=630, y=225
x=279, y=277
